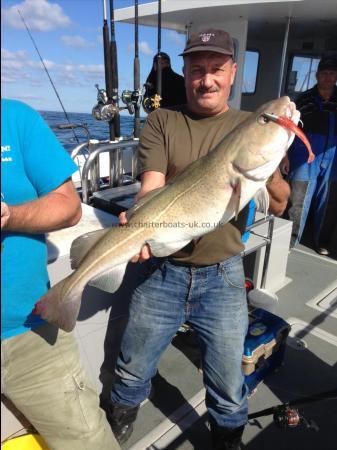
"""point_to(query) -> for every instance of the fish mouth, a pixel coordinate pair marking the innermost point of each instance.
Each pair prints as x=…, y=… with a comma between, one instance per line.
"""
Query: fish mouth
x=290, y=112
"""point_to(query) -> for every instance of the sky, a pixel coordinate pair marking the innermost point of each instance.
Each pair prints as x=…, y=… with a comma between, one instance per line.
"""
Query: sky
x=68, y=35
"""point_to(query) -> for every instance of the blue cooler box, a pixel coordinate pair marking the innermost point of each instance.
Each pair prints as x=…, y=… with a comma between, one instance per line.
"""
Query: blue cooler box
x=264, y=346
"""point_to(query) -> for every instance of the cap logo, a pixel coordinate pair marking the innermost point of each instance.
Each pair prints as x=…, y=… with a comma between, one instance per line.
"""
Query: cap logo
x=205, y=37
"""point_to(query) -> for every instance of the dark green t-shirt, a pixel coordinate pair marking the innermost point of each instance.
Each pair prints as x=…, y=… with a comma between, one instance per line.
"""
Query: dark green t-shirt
x=171, y=140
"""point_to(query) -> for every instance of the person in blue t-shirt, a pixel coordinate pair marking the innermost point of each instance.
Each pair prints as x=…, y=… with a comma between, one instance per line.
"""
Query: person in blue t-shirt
x=41, y=371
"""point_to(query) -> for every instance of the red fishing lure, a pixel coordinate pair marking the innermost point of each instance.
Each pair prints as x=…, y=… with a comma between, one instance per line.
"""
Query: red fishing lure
x=285, y=122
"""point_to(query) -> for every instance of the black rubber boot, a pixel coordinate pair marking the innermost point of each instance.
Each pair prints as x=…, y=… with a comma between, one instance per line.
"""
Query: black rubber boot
x=121, y=419
x=225, y=438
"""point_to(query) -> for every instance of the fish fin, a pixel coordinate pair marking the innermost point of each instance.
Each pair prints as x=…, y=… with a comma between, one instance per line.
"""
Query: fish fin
x=161, y=249
x=111, y=280
x=261, y=199
x=237, y=193
x=58, y=311
x=141, y=202
x=82, y=244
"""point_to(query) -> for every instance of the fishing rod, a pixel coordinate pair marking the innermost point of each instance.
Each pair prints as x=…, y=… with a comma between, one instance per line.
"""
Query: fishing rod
x=106, y=108
x=152, y=102
x=107, y=59
x=159, y=58
x=136, y=77
x=114, y=66
x=286, y=416
x=133, y=99
x=46, y=70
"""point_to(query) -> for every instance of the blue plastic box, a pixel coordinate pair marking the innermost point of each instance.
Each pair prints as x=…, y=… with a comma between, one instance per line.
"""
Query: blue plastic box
x=264, y=346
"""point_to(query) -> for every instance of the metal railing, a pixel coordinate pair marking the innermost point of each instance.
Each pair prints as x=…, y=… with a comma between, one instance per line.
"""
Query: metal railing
x=266, y=242
x=116, y=165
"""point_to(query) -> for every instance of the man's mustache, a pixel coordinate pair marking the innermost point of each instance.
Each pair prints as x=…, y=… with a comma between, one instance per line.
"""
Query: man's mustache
x=204, y=90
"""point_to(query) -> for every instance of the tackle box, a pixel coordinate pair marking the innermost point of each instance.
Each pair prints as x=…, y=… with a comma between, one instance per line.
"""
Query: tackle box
x=264, y=346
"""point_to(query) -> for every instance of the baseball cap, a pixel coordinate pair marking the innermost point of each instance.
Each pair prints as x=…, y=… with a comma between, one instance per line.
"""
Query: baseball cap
x=211, y=40
x=327, y=63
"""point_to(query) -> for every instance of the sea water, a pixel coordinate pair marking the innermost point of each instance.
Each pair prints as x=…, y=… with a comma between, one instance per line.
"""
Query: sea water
x=97, y=129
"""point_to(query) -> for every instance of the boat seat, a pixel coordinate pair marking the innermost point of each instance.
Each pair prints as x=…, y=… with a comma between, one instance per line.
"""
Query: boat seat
x=117, y=199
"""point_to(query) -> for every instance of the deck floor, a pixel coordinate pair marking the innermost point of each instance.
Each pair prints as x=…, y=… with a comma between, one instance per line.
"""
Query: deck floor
x=166, y=421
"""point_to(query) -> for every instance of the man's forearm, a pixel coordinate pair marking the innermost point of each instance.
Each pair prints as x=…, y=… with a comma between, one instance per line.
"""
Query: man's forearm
x=51, y=212
x=149, y=181
x=279, y=192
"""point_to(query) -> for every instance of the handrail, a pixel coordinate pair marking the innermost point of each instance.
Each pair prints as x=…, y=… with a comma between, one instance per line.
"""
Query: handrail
x=115, y=172
x=77, y=149
x=267, y=241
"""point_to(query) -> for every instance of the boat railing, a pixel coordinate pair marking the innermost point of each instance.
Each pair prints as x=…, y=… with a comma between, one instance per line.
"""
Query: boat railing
x=91, y=178
x=79, y=149
x=266, y=241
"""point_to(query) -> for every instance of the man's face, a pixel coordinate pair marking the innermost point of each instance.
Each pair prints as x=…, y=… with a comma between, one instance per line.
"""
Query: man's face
x=163, y=62
x=208, y=80
x=326, y=79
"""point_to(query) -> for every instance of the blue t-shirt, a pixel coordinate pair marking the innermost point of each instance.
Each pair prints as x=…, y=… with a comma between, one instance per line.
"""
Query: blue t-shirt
x=33, y=163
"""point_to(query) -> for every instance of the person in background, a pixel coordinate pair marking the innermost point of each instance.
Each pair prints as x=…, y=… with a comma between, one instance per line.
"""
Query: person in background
x=41, y=371
x=173, y=85
x=204, y=282
x=315, y=185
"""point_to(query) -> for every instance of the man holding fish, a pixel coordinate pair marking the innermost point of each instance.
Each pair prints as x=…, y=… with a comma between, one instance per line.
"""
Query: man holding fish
x=204, y=281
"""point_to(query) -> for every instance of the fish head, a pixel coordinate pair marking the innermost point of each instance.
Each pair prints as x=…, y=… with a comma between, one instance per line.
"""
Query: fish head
x=264, y=142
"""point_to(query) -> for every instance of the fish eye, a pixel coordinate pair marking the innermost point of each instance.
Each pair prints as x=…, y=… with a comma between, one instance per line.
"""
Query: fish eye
x=262, y=119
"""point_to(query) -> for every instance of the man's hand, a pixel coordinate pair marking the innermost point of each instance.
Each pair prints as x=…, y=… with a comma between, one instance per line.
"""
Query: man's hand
x=5, y=215
x=122, y=218
x=285, y=165
x=145, y=252
x=150, y=180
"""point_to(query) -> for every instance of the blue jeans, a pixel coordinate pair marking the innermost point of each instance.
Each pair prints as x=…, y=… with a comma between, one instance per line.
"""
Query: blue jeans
x=313, y=185
x=213, y=300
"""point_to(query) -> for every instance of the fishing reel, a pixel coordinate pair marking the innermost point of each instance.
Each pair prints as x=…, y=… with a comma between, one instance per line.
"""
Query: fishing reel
x=151, y=103
x=104, y=110
x=287, y=417
x=131, y=99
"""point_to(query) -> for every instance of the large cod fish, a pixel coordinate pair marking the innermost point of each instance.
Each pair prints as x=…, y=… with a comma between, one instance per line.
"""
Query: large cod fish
x=211, y=190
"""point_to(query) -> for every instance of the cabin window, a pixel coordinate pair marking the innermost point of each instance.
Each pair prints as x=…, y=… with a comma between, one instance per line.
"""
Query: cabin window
x=250, y=72
x=302, y=74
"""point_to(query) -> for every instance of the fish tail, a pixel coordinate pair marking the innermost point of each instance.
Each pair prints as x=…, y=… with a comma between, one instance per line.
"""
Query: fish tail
x=57, y=309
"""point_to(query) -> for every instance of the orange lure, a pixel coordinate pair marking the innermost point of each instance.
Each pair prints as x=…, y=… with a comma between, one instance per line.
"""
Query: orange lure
x=285, y=122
